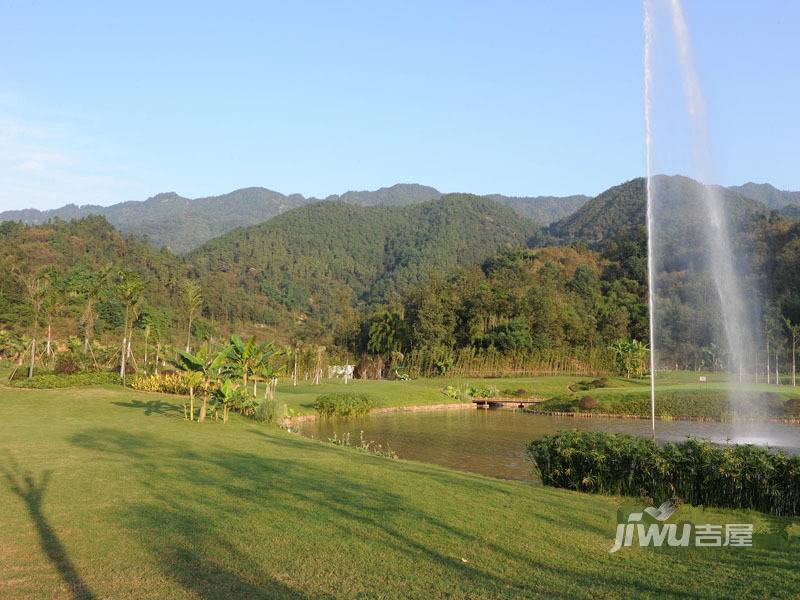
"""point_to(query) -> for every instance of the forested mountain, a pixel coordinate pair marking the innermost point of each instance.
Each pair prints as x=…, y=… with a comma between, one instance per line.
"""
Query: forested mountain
x=793, y=212
x=766, y=256
x=768, y=194
x=679, y=205
x=173, y=221
x=455, y=273
x=323, y=259
x=182, y=224
x=74, y=257
x=399, y=194
x=542, y=209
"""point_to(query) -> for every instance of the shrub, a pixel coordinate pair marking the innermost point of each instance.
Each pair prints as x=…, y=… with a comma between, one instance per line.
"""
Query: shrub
x=695, y=471
x=66, y=364
x=453, y=392
x=582, y=386
x=483, y=391
x=699, y=405
x=265, y=411
x=343, y=404
x=164, y=383
x=54, y=381
x=587, y=403
x=792, y=407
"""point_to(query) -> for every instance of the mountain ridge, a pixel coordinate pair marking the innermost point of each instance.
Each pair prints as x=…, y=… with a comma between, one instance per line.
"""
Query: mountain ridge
x=182, y=224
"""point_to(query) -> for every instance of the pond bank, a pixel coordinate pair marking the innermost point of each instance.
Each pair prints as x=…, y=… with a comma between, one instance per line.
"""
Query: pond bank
x=603, y=415
x=289, y=422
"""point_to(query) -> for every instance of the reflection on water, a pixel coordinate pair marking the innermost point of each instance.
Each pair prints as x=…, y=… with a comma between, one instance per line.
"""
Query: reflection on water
x=492, y=442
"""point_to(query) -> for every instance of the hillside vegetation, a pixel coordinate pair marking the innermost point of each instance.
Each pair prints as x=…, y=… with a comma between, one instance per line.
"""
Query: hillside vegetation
x=323, y=259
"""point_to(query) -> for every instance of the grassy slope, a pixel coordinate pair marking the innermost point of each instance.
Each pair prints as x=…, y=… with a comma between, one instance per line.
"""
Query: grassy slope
x=111, y=491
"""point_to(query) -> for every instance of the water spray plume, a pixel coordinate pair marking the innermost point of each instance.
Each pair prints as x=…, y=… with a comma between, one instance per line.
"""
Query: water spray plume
x=648, y=137
x=737, y=327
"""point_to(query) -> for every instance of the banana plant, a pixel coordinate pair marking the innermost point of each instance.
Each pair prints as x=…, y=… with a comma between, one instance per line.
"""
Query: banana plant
x=209, y=367
x=224, y=395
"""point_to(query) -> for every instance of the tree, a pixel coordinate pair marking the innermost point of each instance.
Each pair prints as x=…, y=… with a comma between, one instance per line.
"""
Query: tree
x=630, y=357
x=130, y=289
x=88, y=286
x=251, y=361
x=55, y=300
x=192, y=301
x=388, y=332
x=35, y=285
x=208, y=368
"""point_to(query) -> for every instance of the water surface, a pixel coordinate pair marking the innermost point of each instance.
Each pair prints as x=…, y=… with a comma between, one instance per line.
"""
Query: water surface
x=492, y=442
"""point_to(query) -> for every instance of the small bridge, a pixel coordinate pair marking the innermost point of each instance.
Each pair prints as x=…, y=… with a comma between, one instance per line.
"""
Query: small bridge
x=505, y=402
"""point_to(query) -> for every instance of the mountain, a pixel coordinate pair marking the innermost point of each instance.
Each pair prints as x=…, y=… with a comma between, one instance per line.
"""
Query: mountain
x=616, y=211
x=400, y=194
x=79, y=250
x=173, y=221
x=325, y=258
x=181, y=224
x=768, y=194
x=542, y=209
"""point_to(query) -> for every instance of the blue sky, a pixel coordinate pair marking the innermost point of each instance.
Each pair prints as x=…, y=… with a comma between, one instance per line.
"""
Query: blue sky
x=106, y=102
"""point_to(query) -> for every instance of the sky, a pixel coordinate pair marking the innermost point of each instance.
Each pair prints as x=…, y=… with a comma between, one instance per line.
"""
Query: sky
x=108, y=102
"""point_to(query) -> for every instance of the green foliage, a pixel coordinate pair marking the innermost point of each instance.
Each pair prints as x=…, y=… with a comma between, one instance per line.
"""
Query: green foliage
x=55, y=380
x=343, y=404
x=453, y=393
x=343, y=256
x=482, y=391
x=164, y=383
x=792, y=407
x=712, y=405
x=696, y=472
x=265, y=411
x=630, y=357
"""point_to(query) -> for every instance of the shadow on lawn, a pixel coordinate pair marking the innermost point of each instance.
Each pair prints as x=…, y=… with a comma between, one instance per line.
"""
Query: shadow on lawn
x=235, y=524
x=31, y=492
x=158, y=407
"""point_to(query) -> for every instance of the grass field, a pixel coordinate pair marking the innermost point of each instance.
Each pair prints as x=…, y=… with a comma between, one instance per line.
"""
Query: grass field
x=109, y=493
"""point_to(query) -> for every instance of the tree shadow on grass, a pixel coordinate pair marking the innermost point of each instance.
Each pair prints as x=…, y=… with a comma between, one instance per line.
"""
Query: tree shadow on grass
x=32, y=492
x=204, y=516
x=158, y=407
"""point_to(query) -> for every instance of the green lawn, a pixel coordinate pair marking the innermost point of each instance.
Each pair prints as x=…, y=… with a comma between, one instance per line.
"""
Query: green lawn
x=418, y=392
x=110, y=493
x=621, y=395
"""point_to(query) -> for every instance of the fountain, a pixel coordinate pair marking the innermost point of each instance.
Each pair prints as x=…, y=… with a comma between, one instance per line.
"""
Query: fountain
x=739, y=338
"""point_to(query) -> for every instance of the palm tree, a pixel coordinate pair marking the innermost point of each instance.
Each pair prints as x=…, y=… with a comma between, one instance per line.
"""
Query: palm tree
x=192, y=301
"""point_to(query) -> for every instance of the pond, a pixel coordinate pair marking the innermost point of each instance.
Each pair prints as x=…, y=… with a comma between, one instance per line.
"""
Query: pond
x=492, y=442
